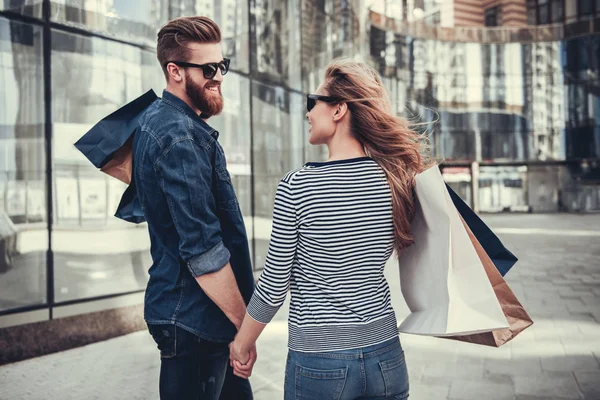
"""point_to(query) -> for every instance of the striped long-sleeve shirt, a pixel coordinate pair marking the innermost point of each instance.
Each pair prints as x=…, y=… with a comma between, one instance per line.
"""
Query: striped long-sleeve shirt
x=332, y=235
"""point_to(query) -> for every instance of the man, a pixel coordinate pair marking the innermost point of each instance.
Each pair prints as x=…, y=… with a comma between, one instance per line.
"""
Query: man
x=201, y=277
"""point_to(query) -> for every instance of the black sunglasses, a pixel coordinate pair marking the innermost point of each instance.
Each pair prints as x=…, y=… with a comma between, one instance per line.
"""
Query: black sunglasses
x=311, y=100
x=209, y=69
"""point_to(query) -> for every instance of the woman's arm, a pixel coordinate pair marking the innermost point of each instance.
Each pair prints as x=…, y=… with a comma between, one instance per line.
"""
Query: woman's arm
x=274, y=281
x=242, y=351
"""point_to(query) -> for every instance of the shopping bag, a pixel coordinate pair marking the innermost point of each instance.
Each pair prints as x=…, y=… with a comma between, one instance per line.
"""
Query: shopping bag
x=108, y=145
x=441, y=275
x=513, y=310
x=105, y=138
x=502, y=258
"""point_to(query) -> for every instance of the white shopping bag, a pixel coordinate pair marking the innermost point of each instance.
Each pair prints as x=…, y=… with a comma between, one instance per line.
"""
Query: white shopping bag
x=443, y=281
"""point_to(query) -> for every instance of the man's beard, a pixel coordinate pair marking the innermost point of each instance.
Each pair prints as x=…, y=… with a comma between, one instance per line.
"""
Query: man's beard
x=209, y=103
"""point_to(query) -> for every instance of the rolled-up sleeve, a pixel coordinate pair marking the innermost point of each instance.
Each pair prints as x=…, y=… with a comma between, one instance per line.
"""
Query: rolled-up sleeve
x=274, y=281
x=185, y=174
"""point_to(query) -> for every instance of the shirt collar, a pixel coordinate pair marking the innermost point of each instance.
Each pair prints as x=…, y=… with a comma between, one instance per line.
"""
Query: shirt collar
x=182, y=106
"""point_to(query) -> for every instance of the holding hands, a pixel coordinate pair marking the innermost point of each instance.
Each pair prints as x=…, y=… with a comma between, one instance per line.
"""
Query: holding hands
x=242, y=358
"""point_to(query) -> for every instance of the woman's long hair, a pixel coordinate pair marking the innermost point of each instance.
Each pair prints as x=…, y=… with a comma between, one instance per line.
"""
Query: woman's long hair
x=388, y=139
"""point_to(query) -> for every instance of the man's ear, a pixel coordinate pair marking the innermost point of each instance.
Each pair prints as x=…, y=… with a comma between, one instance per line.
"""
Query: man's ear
x=174, y=72
x=340, y=110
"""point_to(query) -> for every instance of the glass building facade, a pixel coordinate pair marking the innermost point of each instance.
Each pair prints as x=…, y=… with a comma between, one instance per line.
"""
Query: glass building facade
x=65, y=64
x=523, y=107
x=520, y=104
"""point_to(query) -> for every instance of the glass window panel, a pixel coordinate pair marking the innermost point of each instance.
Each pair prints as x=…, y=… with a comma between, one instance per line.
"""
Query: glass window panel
x=94, y=253
x=459, y=179
x=278, y=148
x=531, y=12
x=130, y=20
x=276, y=52
x=31, y=8
x=232, y=18
x=585, y=8
x=502, y=189
x=23, y=212
x=329, y=30
x=558, y=10
x=234, y=127
x=571, y=10
x=544, y=16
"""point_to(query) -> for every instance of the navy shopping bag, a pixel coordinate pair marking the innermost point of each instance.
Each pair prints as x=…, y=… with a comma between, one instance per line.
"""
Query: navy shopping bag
x=110, y=141
x=502, y=258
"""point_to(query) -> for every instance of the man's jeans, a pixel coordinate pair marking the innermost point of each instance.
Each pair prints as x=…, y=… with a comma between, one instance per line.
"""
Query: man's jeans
x=374, y=372
x=194, y=368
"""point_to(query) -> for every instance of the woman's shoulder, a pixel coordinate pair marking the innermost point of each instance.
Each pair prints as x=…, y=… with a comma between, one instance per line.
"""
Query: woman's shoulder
x=289, y=177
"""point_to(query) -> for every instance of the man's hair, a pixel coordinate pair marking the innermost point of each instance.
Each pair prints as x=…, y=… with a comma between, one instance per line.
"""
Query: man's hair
x=174, y=37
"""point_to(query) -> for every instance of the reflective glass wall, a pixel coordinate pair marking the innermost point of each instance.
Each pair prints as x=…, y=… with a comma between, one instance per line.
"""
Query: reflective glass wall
x=527, y=112
x=59, y=241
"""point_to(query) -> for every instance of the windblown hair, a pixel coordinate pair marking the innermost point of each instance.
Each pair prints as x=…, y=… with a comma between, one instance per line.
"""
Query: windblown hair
x=174, y=37
x=388, y=139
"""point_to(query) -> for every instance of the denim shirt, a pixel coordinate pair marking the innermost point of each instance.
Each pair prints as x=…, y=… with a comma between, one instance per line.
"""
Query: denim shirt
x=193, y=216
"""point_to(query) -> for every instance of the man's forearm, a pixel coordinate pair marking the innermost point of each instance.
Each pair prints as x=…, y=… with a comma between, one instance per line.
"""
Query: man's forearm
x=221, y=287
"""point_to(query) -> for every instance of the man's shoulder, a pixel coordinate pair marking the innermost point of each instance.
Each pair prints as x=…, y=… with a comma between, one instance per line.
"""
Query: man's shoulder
x=168, y=126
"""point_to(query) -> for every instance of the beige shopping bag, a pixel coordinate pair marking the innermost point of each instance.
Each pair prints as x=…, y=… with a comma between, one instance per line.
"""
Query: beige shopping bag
x=442, y=277
x=513, y=310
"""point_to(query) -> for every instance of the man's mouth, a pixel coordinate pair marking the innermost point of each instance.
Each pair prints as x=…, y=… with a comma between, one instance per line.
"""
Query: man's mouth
x=213, y=88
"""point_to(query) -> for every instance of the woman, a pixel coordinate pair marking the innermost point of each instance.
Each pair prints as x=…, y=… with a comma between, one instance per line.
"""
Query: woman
x=335, y=225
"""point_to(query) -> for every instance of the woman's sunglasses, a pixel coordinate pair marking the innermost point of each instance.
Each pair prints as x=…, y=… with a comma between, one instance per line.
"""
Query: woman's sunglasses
x=209, y=69
x=311, y=100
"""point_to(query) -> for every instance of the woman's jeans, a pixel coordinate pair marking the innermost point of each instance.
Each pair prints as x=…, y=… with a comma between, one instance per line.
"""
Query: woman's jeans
x=374, y=372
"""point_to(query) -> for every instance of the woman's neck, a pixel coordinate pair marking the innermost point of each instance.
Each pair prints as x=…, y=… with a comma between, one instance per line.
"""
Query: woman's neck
x=345, y=146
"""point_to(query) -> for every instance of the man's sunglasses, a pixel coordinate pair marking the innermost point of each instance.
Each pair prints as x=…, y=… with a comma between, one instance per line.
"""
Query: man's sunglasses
x=209, y=69
x=311, y=100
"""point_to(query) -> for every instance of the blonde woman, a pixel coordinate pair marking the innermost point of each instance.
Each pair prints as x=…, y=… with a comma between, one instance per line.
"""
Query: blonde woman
x=335, y=224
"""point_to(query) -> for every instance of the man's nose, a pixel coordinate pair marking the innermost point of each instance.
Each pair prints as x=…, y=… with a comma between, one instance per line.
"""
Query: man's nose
x=218, y=76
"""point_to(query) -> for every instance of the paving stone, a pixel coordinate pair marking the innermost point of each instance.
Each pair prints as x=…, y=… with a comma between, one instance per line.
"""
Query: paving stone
x=557, y=279
x=588, y=384
x=429, y=392
x=472, y=390
x=563, y=387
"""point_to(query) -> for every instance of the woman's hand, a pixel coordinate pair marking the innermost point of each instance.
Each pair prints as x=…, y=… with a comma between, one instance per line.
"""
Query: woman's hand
x=242, y=358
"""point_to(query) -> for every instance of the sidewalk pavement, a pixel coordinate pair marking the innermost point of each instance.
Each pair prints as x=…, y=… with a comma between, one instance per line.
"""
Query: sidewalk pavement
x=557, y=279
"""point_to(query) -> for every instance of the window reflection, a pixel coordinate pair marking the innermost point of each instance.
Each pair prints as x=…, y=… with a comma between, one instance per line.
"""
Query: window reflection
x=276, y=43
x=232, y=18
x=459, y=179
x=23, y=229
x=496, y=102
x=278, y=148
x=134, y=20
x=502, y=189
x=234, y=127
x=329, y=30
x=31, y=8
x=94, y=252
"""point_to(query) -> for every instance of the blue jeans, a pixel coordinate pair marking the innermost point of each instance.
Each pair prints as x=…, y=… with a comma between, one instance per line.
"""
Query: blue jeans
x=374, y=372
x=194, y=368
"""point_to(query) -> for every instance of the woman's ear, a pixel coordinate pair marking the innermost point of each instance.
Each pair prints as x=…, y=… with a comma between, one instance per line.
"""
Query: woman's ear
x=340, y=110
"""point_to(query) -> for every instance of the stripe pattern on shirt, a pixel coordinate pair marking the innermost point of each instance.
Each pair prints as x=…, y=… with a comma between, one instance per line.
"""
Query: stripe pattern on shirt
x=332, y=235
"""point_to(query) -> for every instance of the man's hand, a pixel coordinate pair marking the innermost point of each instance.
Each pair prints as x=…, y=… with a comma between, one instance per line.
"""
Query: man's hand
x=242, y=360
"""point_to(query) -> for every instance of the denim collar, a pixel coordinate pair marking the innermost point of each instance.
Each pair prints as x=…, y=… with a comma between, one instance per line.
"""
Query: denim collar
x=182, y=106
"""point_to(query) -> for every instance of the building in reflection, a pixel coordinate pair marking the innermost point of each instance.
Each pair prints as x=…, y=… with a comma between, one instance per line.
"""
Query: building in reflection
x=508, y=91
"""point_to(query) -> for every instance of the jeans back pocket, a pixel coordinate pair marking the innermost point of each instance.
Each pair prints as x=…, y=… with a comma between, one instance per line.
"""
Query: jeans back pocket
x=395, y=376
x=165, y=338
x=320, y=384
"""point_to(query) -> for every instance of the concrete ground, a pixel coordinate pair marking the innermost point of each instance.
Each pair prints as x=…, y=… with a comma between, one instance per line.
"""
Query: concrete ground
x=557, y=279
